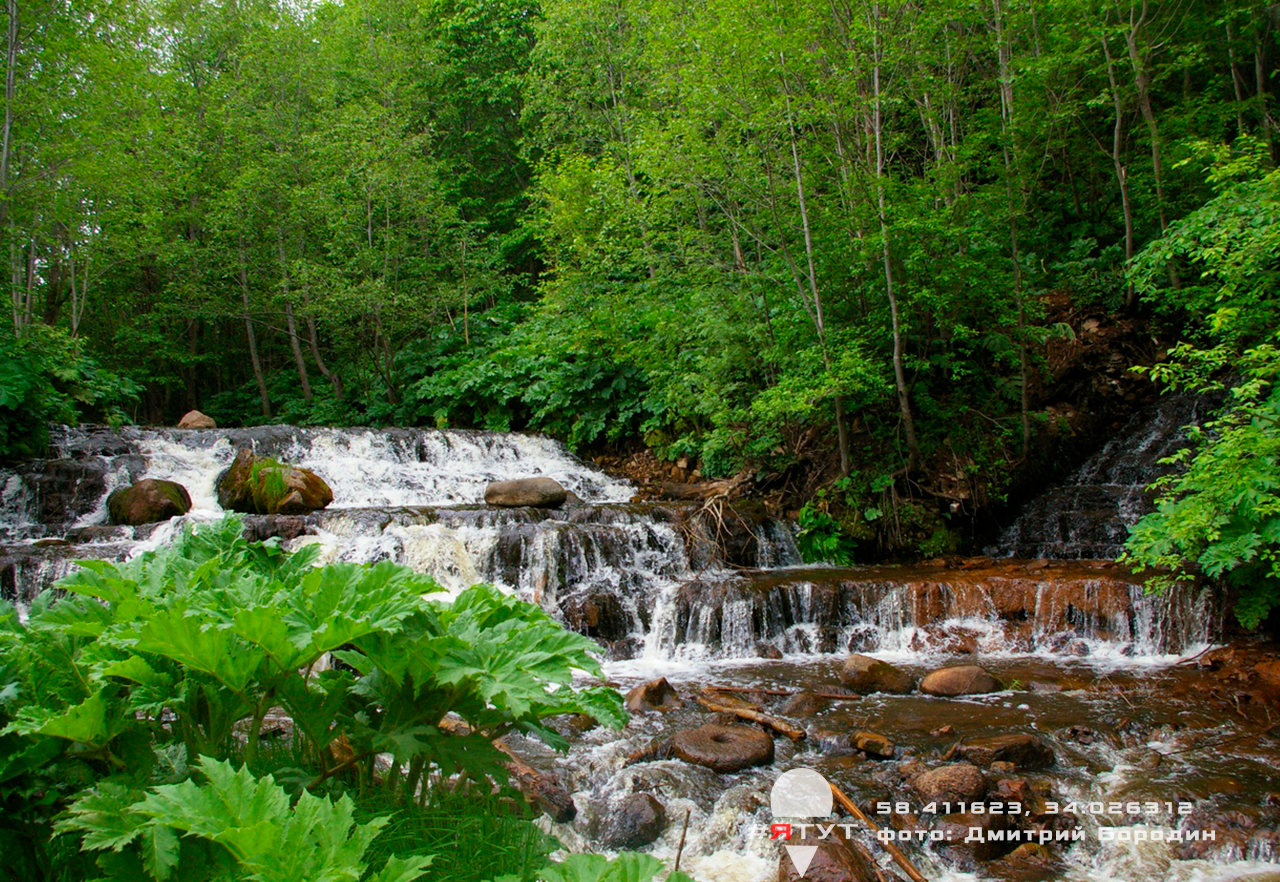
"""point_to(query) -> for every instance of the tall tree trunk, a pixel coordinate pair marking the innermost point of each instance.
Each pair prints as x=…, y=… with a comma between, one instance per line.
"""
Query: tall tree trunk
x=1004, y=55
x=252, y=337
x=1142, y=80
x=314, y=339
x=294, y=343
x=877, y=126
x=10, y=74
x=1117, y=160
x=842, y=432
x=193, y=346
x=1264, y=108
x=1237, y=81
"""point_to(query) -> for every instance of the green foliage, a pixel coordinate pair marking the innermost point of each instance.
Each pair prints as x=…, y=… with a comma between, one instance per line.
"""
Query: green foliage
x=230, y=826
x=473, y=833
x=46, y=377
x=1231, y=244
x=1218, y=514
x=820, y=537
x=626, y=867
x=532, y=375
x=183, y=651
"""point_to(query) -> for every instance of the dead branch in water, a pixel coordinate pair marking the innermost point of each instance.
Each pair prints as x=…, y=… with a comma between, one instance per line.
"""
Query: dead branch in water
x=894, y=852
x=780, y=726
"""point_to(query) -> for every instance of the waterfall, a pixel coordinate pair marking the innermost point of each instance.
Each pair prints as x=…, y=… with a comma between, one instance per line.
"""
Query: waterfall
x=654, y=581
x=1088, y=515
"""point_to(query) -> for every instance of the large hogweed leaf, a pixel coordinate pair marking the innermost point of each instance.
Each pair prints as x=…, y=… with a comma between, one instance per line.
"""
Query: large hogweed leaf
x=267, y=838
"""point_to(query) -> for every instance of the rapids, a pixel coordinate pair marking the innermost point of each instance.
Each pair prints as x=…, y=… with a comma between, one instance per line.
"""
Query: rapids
x=707, y=594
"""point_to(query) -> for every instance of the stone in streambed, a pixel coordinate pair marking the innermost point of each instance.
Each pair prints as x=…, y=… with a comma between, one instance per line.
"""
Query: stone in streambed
x=958, y=782
x=635, y=822
x=598, y=615
x=959, y=680
x=724, y=748
x=194, y=419
x=656, y=695
x=1029, y=861
x=148, y=501
x=874, y=745
x=534, y=492
x=865, y=675
x=804, y=704
x=834, y=861
x=258, y=485
x=1024, y=751
x=955, y=830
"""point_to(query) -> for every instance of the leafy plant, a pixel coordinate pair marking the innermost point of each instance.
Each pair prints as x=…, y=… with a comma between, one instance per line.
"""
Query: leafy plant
x=626, y=867
x=183, y=652
x=45, y=376
x=820, y=536
x=1218, y=514
x=230, y=826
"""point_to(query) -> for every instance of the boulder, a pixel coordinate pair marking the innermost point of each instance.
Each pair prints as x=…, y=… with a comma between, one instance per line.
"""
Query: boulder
x=65, y=490
x=259, y=485
x=656, y=695
x=959, y=782
x=1269, y=673
x=1030, y=860
x=194, y=419
x=959, y=680
x=864, y=675
x=635, y=822
x=805, y=704
x=724, y=748
x=598, y=615
x=955, y=834
x=834, y=861
x=148, y=501
x=1023, y=750
x=536, y=492
x=768, y=650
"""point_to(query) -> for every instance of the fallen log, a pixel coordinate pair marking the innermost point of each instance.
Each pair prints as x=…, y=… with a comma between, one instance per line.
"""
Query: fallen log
x=543, y=790
x=780, y=726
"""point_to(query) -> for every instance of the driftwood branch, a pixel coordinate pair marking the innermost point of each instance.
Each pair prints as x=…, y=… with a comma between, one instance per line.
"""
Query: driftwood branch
x=894, y=852
x=780, y=726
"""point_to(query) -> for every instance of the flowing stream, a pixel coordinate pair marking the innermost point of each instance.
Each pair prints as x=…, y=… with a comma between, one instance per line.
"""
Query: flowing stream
x=704, y=595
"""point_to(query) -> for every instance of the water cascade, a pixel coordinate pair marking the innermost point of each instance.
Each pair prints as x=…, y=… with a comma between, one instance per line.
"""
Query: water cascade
x=1087, y=516
x=707, y=593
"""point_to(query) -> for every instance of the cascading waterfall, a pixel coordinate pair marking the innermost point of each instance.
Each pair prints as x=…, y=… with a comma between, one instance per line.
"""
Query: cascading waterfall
x=666, y=592
x=646, y=579
x=1088, y=515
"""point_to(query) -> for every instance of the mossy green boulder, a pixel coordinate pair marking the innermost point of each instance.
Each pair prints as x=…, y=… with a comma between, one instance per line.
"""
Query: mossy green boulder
x=148, y=501
x=260, y=485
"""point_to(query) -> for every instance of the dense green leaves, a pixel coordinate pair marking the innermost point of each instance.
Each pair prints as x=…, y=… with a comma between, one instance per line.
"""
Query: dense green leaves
x=252, y=828
x=1218, y=515
x=143, y=666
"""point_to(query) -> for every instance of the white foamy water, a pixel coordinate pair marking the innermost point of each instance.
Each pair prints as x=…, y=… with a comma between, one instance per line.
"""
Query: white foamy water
x=371, y=468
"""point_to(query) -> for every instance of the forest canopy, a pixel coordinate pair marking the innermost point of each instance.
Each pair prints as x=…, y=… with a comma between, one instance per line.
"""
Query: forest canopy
x=737, y=231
